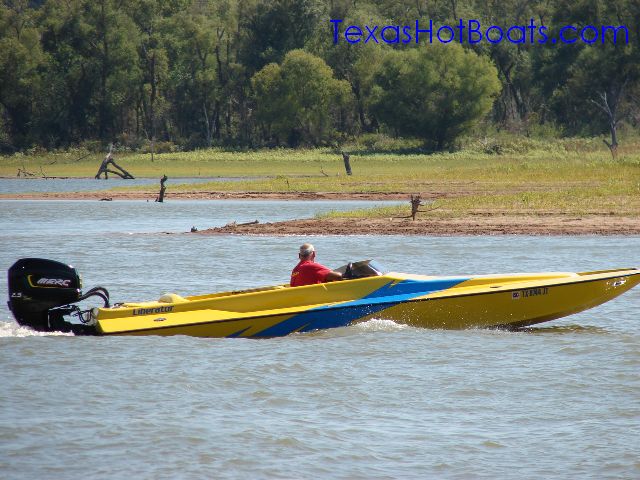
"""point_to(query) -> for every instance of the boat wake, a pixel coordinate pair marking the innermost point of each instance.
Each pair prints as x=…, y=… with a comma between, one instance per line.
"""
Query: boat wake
x=12, y=329
x=379, y=325
x=370, y=326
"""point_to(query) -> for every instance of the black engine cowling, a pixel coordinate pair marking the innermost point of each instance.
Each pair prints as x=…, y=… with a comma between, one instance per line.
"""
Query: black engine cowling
x=37, y=285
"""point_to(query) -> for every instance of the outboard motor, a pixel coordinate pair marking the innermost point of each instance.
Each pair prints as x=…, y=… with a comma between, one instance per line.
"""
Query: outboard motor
x=39, y=287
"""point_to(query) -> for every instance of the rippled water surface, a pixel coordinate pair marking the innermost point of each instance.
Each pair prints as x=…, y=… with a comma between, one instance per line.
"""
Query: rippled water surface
x=34, y=185
x=377, y=400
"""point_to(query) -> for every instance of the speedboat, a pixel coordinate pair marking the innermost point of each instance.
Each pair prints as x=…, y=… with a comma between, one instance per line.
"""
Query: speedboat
x=45, y=295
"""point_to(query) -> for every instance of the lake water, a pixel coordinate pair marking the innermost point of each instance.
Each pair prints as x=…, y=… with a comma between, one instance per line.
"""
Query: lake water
x=39, y=185
x=377, y=400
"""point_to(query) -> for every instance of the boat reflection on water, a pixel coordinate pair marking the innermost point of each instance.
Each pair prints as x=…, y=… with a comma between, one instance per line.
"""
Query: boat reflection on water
x=564, y=329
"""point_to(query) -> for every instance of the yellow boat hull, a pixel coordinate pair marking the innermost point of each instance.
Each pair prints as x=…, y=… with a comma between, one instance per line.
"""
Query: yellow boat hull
x=506, y=301
x=506, y=308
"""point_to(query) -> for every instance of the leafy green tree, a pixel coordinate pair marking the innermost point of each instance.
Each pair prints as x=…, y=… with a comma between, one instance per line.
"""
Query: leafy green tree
x=93, y=50
x=270, y=29
x=21, y=62
x=598, y=88
x=204, y=79
x=271, y=111
x=590, y=86
x=112, y=42
x=300, y=102
x=149, y=16
x=405, y=12
x=436, y=93
x=182, y=70
x=514, y=57
x=353, y=63
x=191, y=79
x=70, y=69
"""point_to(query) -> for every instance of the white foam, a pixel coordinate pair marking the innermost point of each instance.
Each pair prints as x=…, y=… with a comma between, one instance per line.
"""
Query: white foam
x=379, y=325
x=12, y=329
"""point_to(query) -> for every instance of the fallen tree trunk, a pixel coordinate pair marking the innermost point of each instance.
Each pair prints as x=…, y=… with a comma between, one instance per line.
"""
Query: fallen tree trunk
x=104, y=167
x=24, y=173
x=236, y=224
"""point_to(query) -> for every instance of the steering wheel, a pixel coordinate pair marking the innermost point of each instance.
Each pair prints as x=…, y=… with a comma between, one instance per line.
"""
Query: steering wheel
x=348, y=272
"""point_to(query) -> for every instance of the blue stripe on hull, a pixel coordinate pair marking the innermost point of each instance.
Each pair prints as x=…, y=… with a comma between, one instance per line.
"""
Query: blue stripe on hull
x=414, y=288
x=238, y=333
x=344, y=314
x=321, y=318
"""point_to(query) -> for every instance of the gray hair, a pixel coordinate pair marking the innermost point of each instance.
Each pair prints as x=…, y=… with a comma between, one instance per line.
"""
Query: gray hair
x=306, y=249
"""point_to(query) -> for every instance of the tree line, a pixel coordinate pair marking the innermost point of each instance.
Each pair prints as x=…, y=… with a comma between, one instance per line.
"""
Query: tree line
x=252, y=73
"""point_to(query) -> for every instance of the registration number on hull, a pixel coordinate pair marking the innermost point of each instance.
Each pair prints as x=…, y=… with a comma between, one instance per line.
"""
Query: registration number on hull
x=529, y=292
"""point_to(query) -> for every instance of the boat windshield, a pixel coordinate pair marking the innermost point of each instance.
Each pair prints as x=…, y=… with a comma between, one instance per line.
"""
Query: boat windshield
x=363, y=268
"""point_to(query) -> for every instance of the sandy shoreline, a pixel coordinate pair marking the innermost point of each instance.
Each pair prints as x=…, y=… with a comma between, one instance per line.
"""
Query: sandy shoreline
x=472, y=225
x=476, y=223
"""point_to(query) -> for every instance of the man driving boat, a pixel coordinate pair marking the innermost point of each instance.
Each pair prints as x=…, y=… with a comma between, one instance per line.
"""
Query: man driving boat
x=308, y=272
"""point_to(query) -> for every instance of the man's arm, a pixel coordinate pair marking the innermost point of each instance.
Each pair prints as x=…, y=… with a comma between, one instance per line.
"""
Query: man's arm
x=333, y=276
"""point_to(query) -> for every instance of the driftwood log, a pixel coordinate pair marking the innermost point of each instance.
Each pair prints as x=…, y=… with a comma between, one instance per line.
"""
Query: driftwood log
x=163, y=188
x=104, y=167
x=416, y=203
x=236, y=224
x=23, y=173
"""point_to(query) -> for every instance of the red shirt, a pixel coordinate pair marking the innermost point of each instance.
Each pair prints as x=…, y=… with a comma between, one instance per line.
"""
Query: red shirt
x=308, y=273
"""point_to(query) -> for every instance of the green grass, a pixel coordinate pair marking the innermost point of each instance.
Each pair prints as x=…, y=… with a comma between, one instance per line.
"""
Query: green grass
x=375, y=212
x=524, y=159
x=572, y=201
x=200, y=163
x=571, y=175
